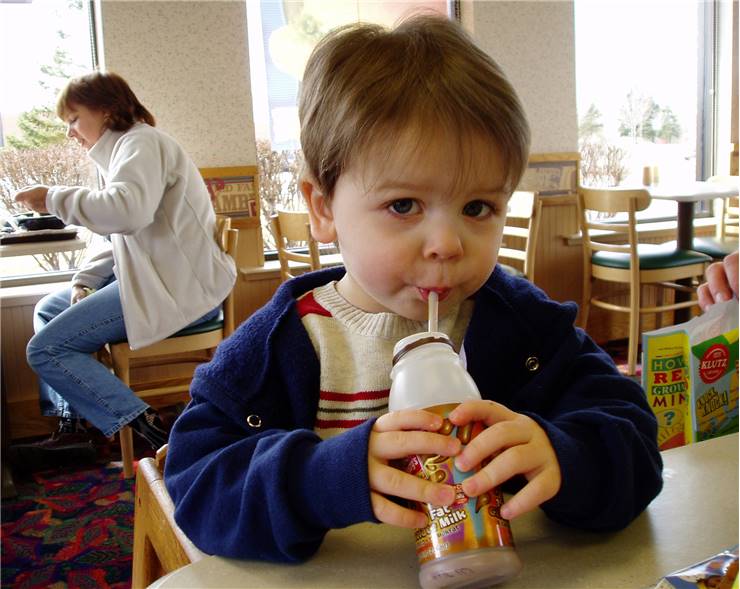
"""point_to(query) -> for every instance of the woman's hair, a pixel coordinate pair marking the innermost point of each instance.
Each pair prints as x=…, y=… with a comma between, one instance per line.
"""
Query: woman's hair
x=105, y=92
x=365, y=86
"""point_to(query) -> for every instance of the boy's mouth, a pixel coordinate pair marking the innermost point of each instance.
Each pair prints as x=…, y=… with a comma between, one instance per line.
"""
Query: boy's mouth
x=442, y=292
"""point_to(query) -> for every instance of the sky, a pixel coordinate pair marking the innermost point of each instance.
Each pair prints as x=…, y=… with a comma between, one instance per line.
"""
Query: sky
x=28, y=38
x=649, y=45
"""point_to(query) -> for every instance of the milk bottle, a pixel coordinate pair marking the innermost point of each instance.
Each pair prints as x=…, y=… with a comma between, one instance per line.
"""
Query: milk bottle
x=467, y=544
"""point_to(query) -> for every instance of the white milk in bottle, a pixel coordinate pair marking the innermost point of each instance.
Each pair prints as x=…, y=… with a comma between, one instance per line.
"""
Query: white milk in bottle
x=467, y=544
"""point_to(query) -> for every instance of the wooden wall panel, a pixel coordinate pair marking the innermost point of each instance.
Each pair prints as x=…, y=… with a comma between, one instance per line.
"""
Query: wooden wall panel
x=253, y=291
x=557, y=264
x=19, y=382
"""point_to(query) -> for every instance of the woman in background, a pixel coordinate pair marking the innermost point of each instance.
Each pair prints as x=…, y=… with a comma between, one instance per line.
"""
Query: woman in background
x=162, y=272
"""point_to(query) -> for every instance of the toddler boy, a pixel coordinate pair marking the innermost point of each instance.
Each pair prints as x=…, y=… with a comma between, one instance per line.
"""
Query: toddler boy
x=414, y=141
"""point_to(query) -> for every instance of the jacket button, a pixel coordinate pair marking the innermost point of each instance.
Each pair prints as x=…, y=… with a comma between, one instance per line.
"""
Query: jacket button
x=532, y=363
x=254, y=420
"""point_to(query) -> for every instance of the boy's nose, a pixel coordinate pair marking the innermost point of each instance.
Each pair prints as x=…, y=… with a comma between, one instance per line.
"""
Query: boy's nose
x=443, y=242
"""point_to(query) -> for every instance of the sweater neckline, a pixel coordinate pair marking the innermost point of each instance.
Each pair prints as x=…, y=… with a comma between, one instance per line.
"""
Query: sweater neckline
x=385, y=324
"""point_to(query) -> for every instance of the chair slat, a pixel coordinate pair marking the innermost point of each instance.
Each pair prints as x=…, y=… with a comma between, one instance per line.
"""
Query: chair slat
x=661, y=269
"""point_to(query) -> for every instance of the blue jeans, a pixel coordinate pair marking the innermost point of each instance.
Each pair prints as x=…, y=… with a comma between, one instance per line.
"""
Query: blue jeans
x=72, y=382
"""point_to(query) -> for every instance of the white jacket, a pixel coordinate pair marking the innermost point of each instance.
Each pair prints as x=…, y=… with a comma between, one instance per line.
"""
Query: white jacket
x=156, y=209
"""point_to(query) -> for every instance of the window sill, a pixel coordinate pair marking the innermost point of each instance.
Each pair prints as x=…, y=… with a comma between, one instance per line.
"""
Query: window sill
x=29, y=294
x=661, y=229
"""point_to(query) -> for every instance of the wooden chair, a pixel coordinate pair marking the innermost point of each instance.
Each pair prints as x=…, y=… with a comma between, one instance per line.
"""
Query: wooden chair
x=727, y=213
x=291, y=228
x=191, y=345
x=520, y=234
x=160, y=546
x=631, y=263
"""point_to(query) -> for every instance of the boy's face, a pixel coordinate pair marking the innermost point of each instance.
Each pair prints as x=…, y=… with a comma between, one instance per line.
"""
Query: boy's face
x=405, y=227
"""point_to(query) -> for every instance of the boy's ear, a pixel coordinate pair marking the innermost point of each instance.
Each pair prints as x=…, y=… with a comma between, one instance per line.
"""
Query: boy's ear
x=319, y=212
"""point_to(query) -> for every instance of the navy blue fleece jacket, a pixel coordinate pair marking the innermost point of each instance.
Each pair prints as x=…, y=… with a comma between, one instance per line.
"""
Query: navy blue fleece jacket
x=250, y=478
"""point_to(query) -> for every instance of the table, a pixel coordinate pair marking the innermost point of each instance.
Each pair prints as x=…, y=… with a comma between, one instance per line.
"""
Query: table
x=41, y=247
x=687, y=194
x=694, y=517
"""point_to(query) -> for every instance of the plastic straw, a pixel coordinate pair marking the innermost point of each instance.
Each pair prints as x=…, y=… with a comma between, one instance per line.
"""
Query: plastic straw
x=433, y=309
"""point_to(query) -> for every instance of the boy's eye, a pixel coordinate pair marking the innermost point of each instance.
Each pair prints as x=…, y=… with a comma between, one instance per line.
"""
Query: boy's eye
x=403, y=206
x=477, y=208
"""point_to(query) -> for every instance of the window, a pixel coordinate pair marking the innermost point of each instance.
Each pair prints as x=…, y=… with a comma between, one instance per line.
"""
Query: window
x=642, y=69
x=282, y=35
x=42, y=44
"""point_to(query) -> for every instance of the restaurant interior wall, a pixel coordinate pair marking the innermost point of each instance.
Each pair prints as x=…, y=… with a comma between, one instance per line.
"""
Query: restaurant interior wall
x=189, y=64
x=534, y=43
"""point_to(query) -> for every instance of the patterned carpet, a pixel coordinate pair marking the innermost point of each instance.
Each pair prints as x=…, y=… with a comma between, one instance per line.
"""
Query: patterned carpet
x=618, y=351
x=69, y=529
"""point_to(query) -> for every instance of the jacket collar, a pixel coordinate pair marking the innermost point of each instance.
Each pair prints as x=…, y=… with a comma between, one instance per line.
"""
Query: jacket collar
x=102, y=151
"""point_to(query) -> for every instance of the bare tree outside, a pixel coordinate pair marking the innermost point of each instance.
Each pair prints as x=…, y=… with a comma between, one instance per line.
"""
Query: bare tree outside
x=278, y=184
x=62, y=164
x=602, y=162
x=39, y=152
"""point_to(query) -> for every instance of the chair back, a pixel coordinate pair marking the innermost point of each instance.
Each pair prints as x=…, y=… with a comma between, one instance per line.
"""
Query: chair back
x=727, y=210
x=180, y=349
x=160, y=546
x=228, y=240
x=520, y=232
x=598, y=235
x=292, y=233
x=610, y=254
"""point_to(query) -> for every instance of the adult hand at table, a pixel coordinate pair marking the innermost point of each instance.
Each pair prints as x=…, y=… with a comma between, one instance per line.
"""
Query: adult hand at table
x=79, y=292
x=390, y=440
x=515, y=445
x=722, y=282
x=33, y=197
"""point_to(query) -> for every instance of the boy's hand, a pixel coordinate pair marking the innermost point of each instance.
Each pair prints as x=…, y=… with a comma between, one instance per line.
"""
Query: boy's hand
x=389, y=440
x=516, y=444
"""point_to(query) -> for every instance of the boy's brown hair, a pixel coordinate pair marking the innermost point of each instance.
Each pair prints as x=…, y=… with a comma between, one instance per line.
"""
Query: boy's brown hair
x=364, y=84
x=106, y=92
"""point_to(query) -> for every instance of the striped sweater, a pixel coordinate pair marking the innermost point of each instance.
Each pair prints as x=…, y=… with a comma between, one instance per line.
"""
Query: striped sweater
x=355, y=350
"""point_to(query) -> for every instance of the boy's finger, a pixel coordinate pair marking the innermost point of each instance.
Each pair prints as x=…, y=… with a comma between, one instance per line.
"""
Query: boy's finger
x=389, y=512
x=489, y=412
x=506, y=465
x=490, y=442
x=399, y=444
x=529, y=497
x=394, y=482
x=408, y=420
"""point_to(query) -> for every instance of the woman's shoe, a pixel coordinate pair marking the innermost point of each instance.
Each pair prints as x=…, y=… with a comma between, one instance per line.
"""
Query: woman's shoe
x=149, y=425
x=70, y=445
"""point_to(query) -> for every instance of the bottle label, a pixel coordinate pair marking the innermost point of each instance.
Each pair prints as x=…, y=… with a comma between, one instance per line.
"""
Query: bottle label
x=470, y=522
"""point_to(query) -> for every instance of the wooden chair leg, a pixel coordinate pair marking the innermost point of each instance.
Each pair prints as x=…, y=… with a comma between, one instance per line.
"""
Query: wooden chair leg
x=127, y=451
x=121, y=368
x=634, y=329
x=582, y=320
